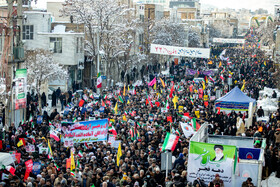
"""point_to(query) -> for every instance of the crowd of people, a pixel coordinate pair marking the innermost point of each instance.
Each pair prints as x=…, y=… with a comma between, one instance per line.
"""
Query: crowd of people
x=140, y=163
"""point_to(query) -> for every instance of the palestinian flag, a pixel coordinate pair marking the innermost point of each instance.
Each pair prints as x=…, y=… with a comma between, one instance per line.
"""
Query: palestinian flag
x=99, y=81
x=121, y=99
x=80, y=154
x=170, y=142
x=195, y=124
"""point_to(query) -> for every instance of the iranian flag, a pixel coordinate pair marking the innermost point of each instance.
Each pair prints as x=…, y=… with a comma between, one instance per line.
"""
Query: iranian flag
x=80, y=154
x=73, y=173
x=56, y=166
x=99, y=81
x=112, y=130
x=78, y=164
x=195, y=125
x=11, y=170
x=105, y=97
x=211, y=79
x=54, y=135
x=167, y=105
x=218, y=110
x=222, y=77
x=170, y=142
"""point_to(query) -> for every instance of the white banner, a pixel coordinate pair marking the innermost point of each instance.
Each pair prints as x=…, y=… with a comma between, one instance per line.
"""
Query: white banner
x=180, y=51
x=187, y=129
x=229, y=40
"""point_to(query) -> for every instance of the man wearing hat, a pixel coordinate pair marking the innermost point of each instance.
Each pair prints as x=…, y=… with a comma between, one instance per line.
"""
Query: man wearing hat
x=219, y=153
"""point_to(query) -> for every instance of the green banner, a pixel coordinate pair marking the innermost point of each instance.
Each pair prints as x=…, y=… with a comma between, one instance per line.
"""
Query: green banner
x=208, y=160
x=21, y=81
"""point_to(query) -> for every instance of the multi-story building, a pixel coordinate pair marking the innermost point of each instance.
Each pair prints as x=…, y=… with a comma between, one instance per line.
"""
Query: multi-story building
x=66, y=44
x=224, y=22
x=188, y=9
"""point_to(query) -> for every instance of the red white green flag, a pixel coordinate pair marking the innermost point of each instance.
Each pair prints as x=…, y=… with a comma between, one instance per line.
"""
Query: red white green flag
x=99, y=80
x=170, y=142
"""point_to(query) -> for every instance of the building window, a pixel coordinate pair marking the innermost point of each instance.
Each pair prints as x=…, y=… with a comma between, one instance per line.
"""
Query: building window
x=27, y=32
x=79, y=45
x=56, y=45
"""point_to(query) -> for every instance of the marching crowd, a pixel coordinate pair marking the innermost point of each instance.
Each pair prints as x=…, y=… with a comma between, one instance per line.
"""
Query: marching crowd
x=145, y=109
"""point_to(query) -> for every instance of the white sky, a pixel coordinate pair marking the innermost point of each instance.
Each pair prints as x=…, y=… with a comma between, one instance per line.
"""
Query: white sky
x=236, y=4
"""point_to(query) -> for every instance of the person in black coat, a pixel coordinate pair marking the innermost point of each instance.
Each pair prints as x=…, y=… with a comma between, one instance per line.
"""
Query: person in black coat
x=44, y=99
x=179, y=161
x=53, y=99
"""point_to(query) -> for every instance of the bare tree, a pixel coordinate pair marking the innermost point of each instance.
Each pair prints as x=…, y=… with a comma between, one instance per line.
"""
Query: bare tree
x=40, y=68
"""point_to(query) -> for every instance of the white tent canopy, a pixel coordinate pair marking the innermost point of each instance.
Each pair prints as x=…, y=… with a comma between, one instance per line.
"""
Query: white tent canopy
x=6, y=159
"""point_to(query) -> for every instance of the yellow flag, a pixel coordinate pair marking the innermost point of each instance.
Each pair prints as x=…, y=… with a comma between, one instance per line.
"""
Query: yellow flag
x=72, y=166
x=243, y=87
x=124, y=118
x=128, y=88
x=230, y=72
x=162, y=82
x=124, y=90
x=119, y=154
x=220, y=64
x=203, y=85
x=197, y=114
x=116, y=108
x=128, y=102
x=175, y=101
x=264, y=63
x=20, y=143
x=155, y=86
x=50, y=148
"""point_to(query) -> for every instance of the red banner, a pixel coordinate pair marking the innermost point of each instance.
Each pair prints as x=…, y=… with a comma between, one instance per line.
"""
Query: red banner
x=29, y=167
x=169, y=118
x=18, y=155
x=68, y=163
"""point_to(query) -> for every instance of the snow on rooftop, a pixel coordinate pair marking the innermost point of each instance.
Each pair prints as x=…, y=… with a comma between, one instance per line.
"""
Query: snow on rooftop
x=59, y=29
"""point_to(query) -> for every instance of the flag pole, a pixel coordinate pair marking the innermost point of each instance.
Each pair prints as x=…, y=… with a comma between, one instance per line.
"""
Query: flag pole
x=166, y=175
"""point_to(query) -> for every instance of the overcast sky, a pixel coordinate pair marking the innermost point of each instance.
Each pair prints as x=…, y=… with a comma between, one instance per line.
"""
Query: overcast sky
x=237, y=4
